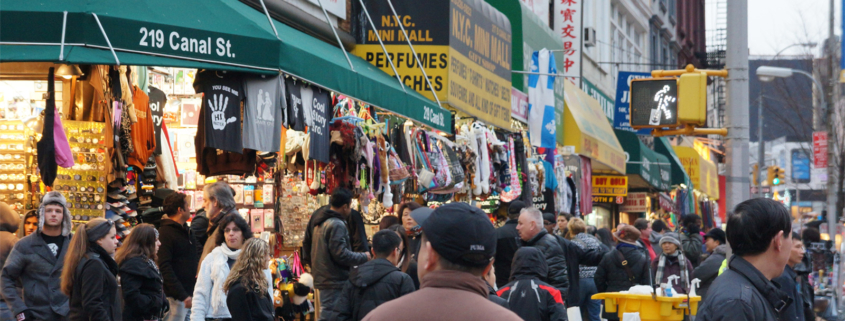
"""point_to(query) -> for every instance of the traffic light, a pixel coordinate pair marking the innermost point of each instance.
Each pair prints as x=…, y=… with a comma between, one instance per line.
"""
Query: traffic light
x=770, y=175
x=692, y=98
x=780, y=176
x=755, y=175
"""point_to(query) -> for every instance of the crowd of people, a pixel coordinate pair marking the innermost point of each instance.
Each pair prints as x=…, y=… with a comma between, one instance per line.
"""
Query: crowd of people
x=542, y=266
x=163, y=273
x=448, y=263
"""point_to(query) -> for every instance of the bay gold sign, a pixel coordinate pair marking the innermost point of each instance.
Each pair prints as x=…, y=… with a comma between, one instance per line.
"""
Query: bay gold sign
x=610, y=185
x=467, y=61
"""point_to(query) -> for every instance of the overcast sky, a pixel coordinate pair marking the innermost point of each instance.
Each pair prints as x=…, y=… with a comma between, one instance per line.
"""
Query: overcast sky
x=775, y=24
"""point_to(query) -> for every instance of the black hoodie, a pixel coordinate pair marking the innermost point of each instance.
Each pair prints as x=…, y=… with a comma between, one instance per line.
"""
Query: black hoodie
x=371, y=284
x=527, y=295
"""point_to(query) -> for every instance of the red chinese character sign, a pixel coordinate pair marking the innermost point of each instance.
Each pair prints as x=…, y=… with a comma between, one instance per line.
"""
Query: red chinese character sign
x=820, y=149
x=567, y=25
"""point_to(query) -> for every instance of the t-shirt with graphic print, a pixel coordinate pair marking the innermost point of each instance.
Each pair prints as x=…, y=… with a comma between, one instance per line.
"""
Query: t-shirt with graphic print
x=296, y=115
x=264, y=111
x=158, y=99
x=54, y=243
x=221, y=104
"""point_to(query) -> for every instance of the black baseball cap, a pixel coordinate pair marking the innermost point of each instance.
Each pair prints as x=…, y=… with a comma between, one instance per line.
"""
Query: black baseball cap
x=549, y=217
x=421, y=214
x=461, y=234
x=716, y=234
x=515, y=207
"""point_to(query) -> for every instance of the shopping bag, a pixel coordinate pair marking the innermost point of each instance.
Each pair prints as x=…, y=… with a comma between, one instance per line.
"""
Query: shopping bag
x=574, y=313
x=631, y=316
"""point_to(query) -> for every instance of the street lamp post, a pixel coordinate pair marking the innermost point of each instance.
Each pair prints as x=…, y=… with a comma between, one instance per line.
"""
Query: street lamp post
x=769, y=73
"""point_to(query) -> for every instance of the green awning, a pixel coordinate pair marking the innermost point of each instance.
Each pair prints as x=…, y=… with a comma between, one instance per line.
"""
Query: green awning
x=219, y=34
x=644, y=165
x=679, y=174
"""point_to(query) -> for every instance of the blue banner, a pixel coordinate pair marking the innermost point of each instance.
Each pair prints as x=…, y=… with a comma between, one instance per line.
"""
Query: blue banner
x=622, y=119
x=800, y=166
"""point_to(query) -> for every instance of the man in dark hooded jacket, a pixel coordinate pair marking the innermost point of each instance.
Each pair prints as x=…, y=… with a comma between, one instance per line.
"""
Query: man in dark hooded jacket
x=532, y=233
x=331, y=252
x=375, y=282
x=507, y=242
x=527, y=295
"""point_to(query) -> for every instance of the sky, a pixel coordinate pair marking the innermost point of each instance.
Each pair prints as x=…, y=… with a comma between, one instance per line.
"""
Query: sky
x=776, y=24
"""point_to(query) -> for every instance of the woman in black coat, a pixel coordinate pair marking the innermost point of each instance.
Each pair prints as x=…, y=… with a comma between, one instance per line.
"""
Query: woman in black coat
x=140, y=279
x=248, y=286
x=89, y=273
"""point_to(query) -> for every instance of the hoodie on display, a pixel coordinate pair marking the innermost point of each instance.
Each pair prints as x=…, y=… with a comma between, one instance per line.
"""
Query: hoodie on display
x=527, y=295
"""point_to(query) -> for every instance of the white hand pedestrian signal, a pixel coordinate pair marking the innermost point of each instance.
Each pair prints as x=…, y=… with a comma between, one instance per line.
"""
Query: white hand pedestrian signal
x=218, y=112
x=663, y=101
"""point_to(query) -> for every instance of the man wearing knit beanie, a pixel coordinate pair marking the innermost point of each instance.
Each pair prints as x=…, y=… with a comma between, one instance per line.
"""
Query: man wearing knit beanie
x=41, y=251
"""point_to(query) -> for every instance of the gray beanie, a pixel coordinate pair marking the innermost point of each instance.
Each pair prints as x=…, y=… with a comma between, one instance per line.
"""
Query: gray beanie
x=671, y=237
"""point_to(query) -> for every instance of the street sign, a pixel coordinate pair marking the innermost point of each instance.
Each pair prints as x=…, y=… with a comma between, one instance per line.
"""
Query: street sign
x=820, y=149
x=654, y=103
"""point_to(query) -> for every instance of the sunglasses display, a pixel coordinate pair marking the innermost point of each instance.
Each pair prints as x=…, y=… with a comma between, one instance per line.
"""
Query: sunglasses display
x=13, y=163
x=84, y=184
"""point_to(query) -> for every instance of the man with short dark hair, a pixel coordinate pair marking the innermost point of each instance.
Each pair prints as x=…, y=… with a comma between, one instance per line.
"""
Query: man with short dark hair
x=35, y=264
x=549, y=222
x=658, y=228
x=645, y=232
x=759, y=233
x=457, y=247
x=177, y=259
x=331, y=252
x=375, y=282
x=709, y=268
x=507, y=242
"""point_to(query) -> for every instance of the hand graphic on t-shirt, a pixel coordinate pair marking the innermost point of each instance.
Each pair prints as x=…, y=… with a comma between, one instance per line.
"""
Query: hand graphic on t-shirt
x=218, y=112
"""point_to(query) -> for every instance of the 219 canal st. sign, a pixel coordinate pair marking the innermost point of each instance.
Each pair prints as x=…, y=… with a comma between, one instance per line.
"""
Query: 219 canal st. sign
x=467, y=60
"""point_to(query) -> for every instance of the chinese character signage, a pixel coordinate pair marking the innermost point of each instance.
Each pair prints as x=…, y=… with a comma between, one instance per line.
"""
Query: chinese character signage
x=567, y=25
x=622, y=111
x=610, y=185
x=654, y=103
x=820, y=149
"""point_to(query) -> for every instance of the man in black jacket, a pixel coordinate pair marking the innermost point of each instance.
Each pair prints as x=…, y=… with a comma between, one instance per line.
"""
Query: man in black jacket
x=177, y=257
x=354, y=224
x=507, y=242
x=375, y=282
x=759, y=233
x=709, y=268
x=331, y=253
x=527, y=295
x=532, y=233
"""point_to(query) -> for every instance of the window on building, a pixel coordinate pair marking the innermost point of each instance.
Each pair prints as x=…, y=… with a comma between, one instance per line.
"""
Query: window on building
x=672, y=11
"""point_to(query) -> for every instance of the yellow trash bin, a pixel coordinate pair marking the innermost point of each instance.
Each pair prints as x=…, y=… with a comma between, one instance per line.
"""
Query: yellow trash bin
x=650, y=309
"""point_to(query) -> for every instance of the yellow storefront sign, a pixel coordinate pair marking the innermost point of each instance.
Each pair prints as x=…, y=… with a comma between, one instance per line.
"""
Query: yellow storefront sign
x=464, y=47
x=610, y=185
x=702, y=173
x=586, y=127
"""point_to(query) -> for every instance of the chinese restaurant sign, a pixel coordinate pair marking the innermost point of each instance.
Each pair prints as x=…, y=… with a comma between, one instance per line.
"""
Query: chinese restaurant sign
x=567, y=25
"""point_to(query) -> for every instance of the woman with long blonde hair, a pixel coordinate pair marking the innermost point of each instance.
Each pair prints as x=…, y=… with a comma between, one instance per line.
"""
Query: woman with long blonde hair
x=89, y=259
x=140, y=279
x=249, y=285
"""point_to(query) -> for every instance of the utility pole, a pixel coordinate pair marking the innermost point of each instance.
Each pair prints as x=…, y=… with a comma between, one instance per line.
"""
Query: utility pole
x=832, y=214
x=736, y=146
x=761, y=145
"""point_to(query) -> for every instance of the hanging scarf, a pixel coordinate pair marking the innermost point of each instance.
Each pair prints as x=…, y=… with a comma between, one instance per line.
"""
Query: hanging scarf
x=681, y=262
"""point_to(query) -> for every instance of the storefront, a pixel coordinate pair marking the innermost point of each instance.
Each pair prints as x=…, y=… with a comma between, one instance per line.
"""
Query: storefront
x=648, y=175
x=700, y=198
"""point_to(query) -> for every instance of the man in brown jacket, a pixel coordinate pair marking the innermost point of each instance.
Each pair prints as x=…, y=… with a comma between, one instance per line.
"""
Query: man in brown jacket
x=457, y=247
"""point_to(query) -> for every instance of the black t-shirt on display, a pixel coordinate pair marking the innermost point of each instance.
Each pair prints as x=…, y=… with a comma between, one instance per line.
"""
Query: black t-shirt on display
x=296, y=113
x=158, y=99
x=221, y=104
x=54, y=243
x=321, y=111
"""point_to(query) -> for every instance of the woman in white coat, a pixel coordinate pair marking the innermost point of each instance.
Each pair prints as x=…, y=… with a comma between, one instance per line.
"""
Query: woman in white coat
x=209, y=300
